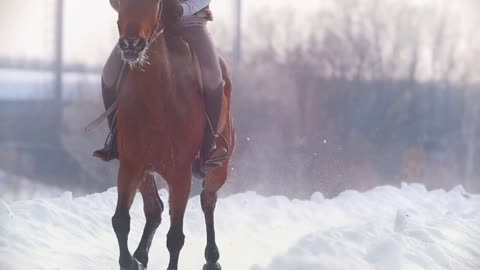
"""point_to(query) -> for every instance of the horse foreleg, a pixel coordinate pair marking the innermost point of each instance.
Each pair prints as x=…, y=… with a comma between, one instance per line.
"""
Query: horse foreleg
x=153, y=208
x=179, y=190
x=128, y=180
x=214, y=181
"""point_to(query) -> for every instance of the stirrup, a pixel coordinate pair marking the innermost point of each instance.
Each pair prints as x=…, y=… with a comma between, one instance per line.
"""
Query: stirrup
x=216, y=158
x=109, y=152
x=105, y=154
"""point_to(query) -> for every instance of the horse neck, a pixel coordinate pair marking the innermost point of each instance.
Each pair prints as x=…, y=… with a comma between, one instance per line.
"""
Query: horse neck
x=154, y=80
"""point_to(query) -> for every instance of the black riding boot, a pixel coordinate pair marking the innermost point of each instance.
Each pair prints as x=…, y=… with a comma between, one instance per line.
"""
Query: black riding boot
x=109, y=151
x=212, y=155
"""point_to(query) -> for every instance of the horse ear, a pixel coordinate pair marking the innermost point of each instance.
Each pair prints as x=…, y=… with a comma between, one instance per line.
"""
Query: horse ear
x=115, y=4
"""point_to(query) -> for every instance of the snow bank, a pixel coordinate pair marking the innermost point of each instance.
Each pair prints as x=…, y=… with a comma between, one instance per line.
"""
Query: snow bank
x=385, y=228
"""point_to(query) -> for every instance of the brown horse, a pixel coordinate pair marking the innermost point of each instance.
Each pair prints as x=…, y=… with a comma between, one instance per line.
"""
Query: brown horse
x=161, y=122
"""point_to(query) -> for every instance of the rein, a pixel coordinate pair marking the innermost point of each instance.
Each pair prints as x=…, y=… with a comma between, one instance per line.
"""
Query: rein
x=156, y=32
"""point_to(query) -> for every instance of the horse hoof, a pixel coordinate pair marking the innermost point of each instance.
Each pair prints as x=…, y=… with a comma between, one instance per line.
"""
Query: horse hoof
x=136, y=265
x=212, y=266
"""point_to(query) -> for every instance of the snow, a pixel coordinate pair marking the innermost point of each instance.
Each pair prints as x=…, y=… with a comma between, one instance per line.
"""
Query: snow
x=407, y=228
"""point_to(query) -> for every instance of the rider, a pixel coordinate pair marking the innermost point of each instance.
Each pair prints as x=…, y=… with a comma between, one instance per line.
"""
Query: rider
x=188, y=18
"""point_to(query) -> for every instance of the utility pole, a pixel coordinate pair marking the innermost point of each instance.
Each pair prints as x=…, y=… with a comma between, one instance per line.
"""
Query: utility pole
x=237, y=41
x=58, y=62
x=58, y=50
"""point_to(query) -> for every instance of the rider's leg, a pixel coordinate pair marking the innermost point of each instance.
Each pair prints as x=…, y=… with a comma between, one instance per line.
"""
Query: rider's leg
x=201, y=42
x=110, y=75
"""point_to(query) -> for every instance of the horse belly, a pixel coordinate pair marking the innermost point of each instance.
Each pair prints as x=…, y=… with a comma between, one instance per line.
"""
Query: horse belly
x=158, y=150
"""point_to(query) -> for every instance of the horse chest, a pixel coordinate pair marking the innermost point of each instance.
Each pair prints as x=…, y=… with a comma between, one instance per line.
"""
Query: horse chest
x=159, y=134
x=140, y=128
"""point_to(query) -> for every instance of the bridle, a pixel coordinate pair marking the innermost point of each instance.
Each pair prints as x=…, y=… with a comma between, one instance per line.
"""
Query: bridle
x=157, y=30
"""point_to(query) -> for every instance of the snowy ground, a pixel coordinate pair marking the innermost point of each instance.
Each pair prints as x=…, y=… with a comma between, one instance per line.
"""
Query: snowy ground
x=385, y=228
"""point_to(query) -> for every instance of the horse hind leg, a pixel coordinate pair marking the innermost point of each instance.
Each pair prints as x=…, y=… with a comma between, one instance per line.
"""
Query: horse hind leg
x=214, y=181
x=128, y=181
x=153, y=208
x=212, y=255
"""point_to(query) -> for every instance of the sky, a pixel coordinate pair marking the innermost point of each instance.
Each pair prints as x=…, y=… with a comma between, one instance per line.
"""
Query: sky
x=91, y=29
x=36, y=25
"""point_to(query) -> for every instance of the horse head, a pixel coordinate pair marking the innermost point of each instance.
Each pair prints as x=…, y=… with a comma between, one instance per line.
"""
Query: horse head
x=139, y=22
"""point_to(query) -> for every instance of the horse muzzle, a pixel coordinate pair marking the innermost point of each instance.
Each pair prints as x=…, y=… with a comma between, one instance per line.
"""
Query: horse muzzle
x=132, y=48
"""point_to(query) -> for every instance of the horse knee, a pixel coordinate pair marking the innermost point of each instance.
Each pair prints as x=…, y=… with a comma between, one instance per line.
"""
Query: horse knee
x=154, y=215
x=121, y=222
x=215, y=180
x=175, y=240
x=208, y=200
x=154, y=219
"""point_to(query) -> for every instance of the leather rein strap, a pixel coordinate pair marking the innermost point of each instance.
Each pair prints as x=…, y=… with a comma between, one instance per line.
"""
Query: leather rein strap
x=157, y=31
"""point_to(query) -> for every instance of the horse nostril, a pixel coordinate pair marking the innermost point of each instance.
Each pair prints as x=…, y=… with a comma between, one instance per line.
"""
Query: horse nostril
x=139, y=44
x=135, y=44
x=124, y=44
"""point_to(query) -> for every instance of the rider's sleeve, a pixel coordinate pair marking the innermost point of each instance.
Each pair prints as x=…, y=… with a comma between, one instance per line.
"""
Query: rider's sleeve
x=191, y=7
